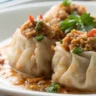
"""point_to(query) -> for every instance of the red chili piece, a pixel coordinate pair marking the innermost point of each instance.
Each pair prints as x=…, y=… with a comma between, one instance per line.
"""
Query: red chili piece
x=40, y=16
x=91, y=33
x=31, y=18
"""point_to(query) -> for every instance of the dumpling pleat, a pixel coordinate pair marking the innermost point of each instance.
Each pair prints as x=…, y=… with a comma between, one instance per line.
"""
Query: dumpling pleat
x=74, y=71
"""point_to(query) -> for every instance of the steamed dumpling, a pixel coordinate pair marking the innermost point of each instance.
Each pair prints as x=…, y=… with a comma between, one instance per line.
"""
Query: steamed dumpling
x=74, y=61
x=61, y=12
x=30, y=50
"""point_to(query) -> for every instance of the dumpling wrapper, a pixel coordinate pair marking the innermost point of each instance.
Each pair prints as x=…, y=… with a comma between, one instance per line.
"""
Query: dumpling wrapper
x=30, y=56
x=74, y=71
x=51, y=13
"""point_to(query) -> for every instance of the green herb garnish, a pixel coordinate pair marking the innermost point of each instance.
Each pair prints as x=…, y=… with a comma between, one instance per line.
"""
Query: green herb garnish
x=39, y=37
x=82, y=23
x=66, y=2
x=77, y=50
x=67, y=25
x=61, y=41
x=88, y=21
x=38, y=25
x=52, y=88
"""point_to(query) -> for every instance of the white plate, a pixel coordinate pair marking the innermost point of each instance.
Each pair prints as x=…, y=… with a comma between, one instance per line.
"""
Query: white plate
x=12, y=18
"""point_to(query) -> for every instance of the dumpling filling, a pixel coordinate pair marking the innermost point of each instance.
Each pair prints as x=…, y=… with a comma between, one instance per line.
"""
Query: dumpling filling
x=40, y=27
x=79, y=39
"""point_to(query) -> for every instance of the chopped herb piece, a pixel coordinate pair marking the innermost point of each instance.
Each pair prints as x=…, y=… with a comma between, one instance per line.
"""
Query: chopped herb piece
x=39, y=37
x=66, y=2
x=60, y=41
x=38, y=26
x=82, y=23
x=52, y=88
x=77, y=50
x=40, y=16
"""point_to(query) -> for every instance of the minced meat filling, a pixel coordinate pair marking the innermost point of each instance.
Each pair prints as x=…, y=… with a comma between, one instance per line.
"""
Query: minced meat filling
x=64, y=11
x=67, y=10
x=27, y=29
x=79, y=39
x=32, y=29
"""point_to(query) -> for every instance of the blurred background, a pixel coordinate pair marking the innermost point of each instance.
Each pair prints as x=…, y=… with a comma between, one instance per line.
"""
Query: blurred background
x=11, y=3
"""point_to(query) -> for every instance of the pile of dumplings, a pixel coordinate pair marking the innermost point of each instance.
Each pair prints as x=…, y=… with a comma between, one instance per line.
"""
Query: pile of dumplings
x=40, y=48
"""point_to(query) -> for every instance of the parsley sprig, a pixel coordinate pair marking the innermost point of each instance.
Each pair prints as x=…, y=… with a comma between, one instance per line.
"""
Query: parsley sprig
x=82, y=23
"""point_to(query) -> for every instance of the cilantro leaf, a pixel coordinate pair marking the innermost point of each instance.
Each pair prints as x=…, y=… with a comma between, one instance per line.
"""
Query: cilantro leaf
x=69, y=24
x=52, y=88
x=86, y=19
x=66, y=2
x=82, y=23
x=77, y=50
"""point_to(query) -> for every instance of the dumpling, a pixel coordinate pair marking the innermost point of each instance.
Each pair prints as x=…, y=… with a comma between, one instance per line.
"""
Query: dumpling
x=30, y=50
x=61, y=12
x=74, y=61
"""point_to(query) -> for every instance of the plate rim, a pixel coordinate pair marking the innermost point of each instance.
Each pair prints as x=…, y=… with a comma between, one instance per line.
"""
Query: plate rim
x=41, y=3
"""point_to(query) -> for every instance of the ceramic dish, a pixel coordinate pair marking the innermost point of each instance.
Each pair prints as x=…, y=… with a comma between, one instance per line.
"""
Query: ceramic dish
x=14, y=18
